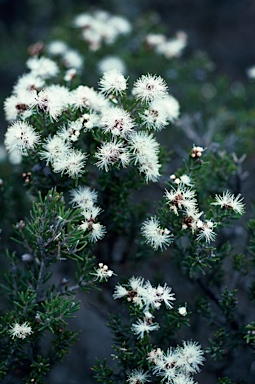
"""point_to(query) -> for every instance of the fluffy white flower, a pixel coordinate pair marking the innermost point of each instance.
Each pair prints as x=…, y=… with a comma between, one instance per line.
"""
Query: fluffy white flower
x=117, y=121
x=190, y=356
x=83, y=197
x=172, y=47
x=42, y=67
x=170, y=106
x=150, y=87
x=205, y=230
x=72, y=59
x=113, y=82
x=229, y=201
x=53, y=148
x=57, y=47
x=181, y=198
x=28, y=82
x=71, y=164
x=20, y=331
x=138, y=376
x=156, y=236
x=85, y=97
x=19, y=105
x=111, y=153
x=20, y=137
x=53, y=100
x=142, y=326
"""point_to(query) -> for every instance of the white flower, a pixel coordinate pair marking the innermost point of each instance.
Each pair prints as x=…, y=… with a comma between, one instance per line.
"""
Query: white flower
x=83, y=197
x=150, y=87
x=181, y=198
x=182, y=311
x=190, y=356
x=102, y=272
x=72, y=59
x=155, y=117
x=119, y=292
x=111, y=62
x=138, y=376
x=71, y=164
x=153, y=39
x=71, y=133
x=165, y=365
x=19, y=105
x=111, y=153
x=20, y=331
x=85, y=97
x=54, y=148
x=156, y=236
x=173, y=47
x=145, y=152
x=28, y=82
x=53, y=100
x=229, y=201
x=21, y=137
x=142, y=327
x=43, y=67
x=206, y=231
x=117, y=121
x=113, y=82
x=197, y=151
x=57, y=47
x=170, y=106
x=70, y=74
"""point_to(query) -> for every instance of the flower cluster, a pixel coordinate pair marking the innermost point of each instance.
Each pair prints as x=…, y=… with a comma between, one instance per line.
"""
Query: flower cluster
x=177, y=365
x=167, y=47
x=156, y=236
x=101, y=27
x=124, y=140
x=146, y=297
x=85, y=199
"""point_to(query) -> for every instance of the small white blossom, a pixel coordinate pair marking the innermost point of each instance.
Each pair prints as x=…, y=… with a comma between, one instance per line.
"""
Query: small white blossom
x=102, y=272
x=206, y=230
x=83, y=197
x=20, y=331
x=21, y=136
x=71, y=164
x=229, y=201
x=117, y=121
x=182, y=311
x=197, y=152
x=110, y=154
x=57, y=47
x=181, y=198
x=190, y=356
x=138, y=376
x=113, y=82
x=53, y=100
x=42, y=67
x=156, y=236
x=72, y=59
x=143, y=326
x=150, y=87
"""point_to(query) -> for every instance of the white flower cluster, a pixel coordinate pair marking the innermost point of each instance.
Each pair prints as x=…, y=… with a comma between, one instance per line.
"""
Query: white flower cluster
x=177, y=365
x=21, y=331
x=181, y=199
x=124, y=138
x=167, y=47
x=101, y=27
x=85, y=199
x=148, y=298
